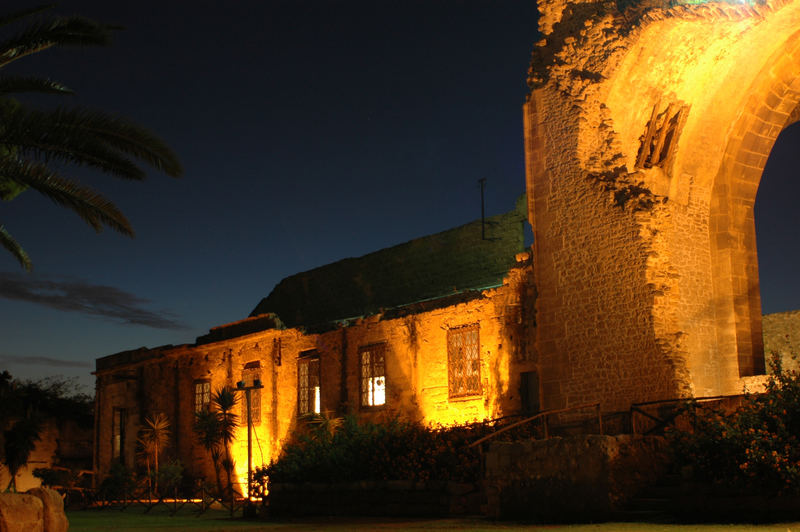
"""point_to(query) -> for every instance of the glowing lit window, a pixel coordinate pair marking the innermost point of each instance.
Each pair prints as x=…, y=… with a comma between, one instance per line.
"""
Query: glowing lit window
x=202, y=395
x=308, y=388
x=373, y=375
x=118, y=434
x=463, y=361
x=251, y=372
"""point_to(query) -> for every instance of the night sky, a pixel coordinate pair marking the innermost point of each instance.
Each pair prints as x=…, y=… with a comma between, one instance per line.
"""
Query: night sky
x=309, y=131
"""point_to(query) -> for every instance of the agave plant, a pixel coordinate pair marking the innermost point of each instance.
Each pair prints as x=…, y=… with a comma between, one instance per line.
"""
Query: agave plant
x=34, y=142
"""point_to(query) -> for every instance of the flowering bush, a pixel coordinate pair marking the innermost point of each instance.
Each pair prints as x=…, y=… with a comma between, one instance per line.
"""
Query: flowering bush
x=756, y=447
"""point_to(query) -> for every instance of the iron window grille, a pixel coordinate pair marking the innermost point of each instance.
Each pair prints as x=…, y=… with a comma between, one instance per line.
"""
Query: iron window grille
x=308, y=383
x=202, y=395
x=463, y=361
x=373, y=375
x=118, y=421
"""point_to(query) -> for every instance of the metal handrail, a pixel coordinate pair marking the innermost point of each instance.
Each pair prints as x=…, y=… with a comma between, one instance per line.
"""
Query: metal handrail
x=544, y=416
x=637, y=408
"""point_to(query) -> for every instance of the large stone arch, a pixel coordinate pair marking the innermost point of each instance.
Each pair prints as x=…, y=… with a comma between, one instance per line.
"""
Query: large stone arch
x=647, y=130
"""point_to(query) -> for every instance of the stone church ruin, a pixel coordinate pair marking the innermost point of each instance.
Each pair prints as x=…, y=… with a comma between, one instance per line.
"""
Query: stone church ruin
x=647, y=128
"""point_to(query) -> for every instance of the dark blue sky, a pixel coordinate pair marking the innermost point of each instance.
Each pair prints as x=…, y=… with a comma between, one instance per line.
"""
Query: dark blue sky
x=310, y=131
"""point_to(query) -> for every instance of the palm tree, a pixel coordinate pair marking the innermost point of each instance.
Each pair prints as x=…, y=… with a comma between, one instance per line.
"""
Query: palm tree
x=216, y=430
x=31, y=140
x=207, y=426
x=154, y=437
x=224, y=401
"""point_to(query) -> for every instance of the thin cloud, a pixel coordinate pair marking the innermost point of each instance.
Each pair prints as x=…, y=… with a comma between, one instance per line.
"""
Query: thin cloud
x=78, y=296
x=44, y=361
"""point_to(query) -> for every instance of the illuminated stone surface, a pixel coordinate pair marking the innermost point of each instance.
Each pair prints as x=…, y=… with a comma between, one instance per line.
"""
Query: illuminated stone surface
x=20, y=512
x=646, y=133
x=415, y=340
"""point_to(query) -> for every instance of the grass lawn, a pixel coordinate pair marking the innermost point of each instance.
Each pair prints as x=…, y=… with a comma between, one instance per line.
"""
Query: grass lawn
x=134, y=519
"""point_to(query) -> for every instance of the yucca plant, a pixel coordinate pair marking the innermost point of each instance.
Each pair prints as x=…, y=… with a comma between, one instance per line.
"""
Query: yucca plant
x=208, y=428
x=33, y=143
x=154, y=437
x=224, y=401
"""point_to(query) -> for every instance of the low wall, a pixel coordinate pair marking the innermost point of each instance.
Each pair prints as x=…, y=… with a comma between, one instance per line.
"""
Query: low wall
x=387, y=498
x=570, y=479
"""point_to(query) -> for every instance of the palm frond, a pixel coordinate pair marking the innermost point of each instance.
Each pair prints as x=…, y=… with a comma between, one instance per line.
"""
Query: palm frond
x=91, y=207
x=18, y=15
x=13, y=247
x=60, y=135
x=224, y=399
x=78, y=31
x=10, y=85
x=127, y=137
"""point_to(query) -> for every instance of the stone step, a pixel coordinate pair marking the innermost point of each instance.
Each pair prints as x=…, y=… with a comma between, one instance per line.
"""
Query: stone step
x=647, y=516
x=656, y=504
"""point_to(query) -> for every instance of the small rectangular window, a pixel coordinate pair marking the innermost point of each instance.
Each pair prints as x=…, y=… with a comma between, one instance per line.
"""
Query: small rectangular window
x=118, y=434
x=251, y=372
x=464, y=361
x=308, y=383
x=202, y=395
x=373, y=375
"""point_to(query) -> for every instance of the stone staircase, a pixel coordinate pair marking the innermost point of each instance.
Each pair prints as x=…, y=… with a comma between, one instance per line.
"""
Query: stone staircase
x=655, y=503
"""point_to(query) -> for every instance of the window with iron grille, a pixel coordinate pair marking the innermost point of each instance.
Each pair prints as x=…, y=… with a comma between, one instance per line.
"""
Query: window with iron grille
x=373, y=375
x=118, y=420
x=308, y=383
x=463, y=361
x=202, y=395
x=251, y=372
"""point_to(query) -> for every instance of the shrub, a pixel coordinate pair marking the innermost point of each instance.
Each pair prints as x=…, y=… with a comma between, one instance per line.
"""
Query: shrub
x=754, y=449
x=55, y=477
x=118, y=484
x=396, y=450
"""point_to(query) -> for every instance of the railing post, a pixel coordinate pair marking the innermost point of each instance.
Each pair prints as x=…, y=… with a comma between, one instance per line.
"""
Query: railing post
x=599, y=419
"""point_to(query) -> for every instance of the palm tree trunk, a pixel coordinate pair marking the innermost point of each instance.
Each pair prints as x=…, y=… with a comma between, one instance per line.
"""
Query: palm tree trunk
x=155, y=460
x=216, y=473
x=12, y=484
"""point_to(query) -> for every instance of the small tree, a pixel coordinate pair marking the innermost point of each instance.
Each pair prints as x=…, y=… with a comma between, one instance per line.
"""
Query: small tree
x=224, y=401
x=20, y=440
x=154, y=437
x=216, y=430
x=207, y=427
x=24, y=407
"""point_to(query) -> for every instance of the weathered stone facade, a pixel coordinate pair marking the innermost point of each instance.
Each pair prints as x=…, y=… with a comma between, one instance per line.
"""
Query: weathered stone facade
x=782, y=337
x=647, y=129
x=412, y=337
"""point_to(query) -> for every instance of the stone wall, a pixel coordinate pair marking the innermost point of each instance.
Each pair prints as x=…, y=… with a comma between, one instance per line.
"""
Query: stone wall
x=782, y=336
x=61, y=442
x=646, y=132
x=384, y=498
x=145, y=382
x=576, y=478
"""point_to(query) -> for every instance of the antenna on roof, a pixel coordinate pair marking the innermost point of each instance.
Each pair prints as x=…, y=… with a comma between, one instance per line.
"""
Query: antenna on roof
x=482, y=181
